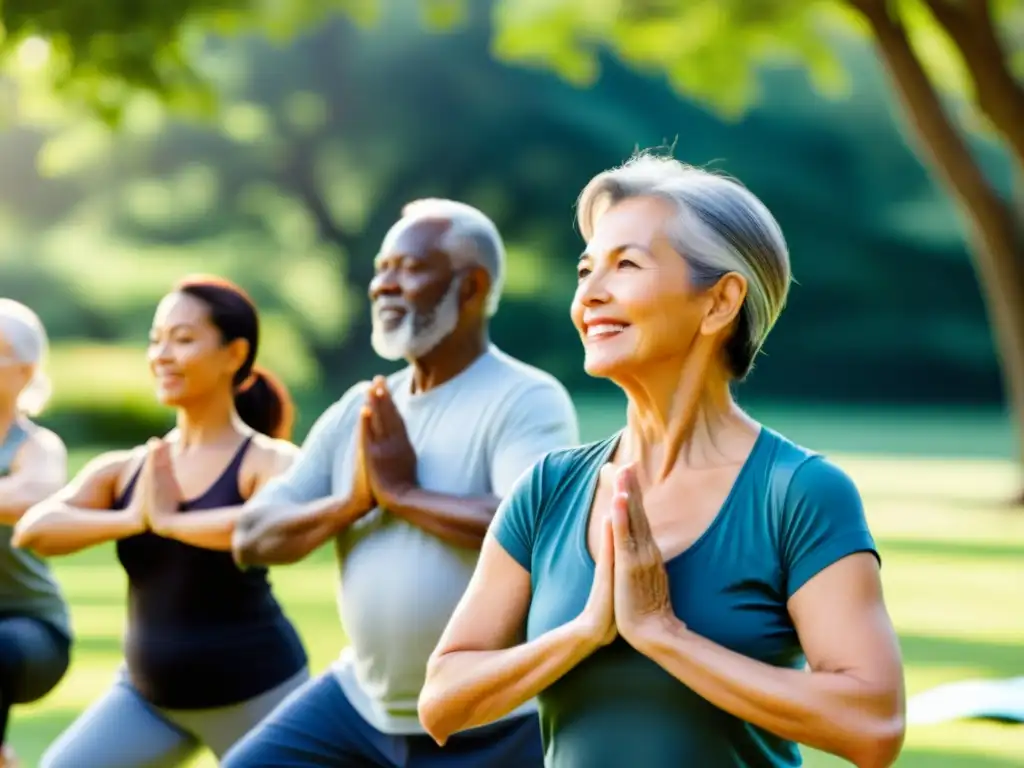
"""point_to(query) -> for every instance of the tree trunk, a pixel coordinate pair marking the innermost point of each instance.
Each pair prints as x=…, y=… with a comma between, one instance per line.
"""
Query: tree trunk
x=999, y=96
x=999, y=256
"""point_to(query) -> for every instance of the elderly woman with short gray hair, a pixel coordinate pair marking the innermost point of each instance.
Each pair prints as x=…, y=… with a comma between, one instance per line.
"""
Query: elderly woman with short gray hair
x=695, y=590
x=35, y=626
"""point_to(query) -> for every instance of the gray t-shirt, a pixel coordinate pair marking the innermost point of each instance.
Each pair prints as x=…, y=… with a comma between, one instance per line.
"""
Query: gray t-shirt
x=475, y=434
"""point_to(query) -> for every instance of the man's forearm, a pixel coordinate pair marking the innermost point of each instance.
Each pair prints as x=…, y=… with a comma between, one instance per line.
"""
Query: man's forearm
x=276, y=535
x=459, y=520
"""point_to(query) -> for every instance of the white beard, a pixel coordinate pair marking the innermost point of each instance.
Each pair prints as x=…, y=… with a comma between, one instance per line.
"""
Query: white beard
x=419, y=332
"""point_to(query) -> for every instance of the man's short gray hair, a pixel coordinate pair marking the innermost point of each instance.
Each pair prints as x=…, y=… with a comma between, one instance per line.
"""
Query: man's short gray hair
x=720, y=226
x=471, y=240
x=26, y=336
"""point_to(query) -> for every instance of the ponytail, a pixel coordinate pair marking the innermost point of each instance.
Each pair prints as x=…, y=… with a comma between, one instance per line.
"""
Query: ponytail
x=263, y=403
x=261, y=400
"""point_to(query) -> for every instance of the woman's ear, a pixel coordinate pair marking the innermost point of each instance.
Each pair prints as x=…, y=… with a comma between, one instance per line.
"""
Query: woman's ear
x=725, y=300
x=237, y=354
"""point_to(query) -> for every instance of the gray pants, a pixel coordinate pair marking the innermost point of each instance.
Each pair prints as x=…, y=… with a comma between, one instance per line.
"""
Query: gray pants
x=123, y=730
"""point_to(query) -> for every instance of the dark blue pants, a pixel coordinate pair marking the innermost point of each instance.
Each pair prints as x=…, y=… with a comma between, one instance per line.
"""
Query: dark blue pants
x=33, y=658
x=317, y=726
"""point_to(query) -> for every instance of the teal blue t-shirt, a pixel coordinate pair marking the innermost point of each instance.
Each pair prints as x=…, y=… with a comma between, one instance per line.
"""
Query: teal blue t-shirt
x=790, y=514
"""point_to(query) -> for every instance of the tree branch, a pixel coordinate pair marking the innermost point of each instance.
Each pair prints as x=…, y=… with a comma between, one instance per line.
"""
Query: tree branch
x=935, y=131
x=1000, y=97
x=299, y=176
x=997, y=243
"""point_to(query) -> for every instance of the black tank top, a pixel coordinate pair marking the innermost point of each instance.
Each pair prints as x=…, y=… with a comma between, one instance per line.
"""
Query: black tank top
x=202, y=633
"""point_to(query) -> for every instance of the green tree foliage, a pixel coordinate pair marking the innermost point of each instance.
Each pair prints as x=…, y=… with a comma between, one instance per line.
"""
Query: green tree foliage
x=102, y=52
x=319, y=141
x=713, y=50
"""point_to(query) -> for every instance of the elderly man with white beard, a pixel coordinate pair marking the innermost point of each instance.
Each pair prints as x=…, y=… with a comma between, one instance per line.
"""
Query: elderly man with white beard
x=405, y=474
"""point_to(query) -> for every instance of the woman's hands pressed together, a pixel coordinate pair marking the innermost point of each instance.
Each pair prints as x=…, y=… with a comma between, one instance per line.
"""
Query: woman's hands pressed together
x=630, y=591
x=160, y=495
x=599, y=614
x=641, y=583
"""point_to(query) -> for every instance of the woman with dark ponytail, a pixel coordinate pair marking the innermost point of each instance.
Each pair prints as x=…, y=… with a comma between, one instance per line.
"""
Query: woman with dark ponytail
x=208, y=650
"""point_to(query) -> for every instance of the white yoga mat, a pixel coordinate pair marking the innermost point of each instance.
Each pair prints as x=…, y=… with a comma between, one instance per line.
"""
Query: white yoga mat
x=970, y=699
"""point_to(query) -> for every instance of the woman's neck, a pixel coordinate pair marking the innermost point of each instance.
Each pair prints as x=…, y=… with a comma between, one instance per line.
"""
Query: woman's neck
x=681, y=413
x=211, y=422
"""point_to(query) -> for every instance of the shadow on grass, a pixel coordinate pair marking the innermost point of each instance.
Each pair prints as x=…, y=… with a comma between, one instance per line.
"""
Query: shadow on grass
x=96, y=645
x=98, y=599
x=1002, y=660
x=1010, y=505
x=920, y=757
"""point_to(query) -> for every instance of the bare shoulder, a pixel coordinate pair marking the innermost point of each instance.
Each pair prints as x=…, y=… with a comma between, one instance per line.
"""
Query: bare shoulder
x=272, y=449
x=42, y=444
x=46, y=439
x=269, y=456
x=115, y=465
x=104, y=477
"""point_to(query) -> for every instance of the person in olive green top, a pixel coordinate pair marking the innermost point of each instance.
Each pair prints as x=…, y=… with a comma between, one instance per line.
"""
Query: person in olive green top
x=35, y=628
x=696, y=590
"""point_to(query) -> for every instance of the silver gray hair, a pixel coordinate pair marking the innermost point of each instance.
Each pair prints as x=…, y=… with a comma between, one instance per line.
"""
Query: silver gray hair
x=26, y=336
x=472, y=240
x=719, y=227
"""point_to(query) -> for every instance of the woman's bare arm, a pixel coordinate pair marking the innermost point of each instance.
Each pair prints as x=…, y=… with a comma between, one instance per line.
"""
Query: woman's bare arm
x=40, y=469
x=850, y=704
x=215, y=528
x=80, y=515
x=479, y=673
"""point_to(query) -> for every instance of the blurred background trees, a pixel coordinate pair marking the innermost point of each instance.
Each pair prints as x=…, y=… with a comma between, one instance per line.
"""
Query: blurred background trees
x=274, y=142
x=711, y=51
x=151, y=139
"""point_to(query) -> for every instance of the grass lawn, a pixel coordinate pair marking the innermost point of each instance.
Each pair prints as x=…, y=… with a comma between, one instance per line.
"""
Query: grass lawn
x=952, y=550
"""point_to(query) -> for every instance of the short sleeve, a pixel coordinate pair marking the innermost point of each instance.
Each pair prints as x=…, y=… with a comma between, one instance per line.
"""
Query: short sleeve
x=310, y=476
x=515, y=523
x=823, y=522
x=540, y=420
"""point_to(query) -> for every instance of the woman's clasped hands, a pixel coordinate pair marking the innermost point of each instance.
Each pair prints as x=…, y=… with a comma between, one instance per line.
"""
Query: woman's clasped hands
x=157, y=495
x=630, y=591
